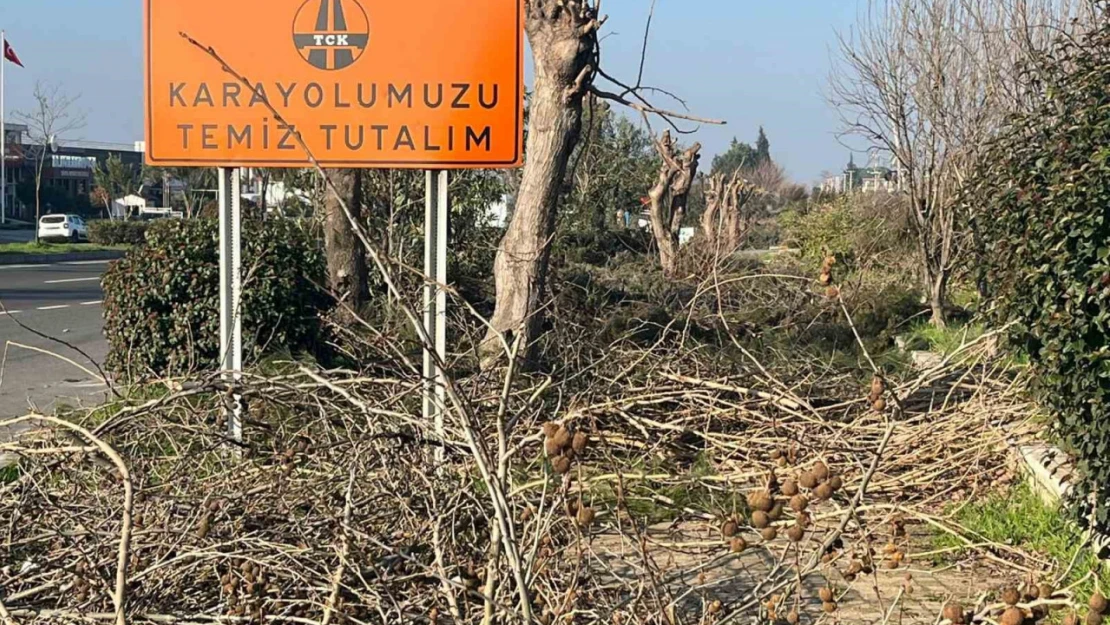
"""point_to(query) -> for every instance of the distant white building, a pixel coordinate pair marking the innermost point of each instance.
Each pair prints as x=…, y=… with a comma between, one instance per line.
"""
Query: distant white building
x=871, y=179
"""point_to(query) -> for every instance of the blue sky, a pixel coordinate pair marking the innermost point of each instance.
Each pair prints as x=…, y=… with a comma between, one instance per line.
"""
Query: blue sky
x=750, y=62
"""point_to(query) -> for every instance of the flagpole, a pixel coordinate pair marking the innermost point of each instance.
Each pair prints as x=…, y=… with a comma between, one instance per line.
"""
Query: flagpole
x=3, y=140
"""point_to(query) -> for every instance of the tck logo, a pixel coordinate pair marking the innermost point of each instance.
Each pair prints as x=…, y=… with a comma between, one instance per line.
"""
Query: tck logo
x=331, y=34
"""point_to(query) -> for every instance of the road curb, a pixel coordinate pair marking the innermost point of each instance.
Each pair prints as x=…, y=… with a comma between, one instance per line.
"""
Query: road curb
x=35, y=259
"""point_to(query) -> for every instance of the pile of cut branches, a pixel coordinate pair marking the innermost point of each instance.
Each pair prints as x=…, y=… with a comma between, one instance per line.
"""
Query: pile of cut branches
x=342, y=504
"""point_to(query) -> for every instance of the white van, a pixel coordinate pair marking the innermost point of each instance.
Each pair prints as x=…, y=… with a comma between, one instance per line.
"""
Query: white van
x=69, y=227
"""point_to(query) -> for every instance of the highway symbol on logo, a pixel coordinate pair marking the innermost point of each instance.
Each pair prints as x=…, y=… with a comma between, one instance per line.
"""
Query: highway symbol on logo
x=331, y=34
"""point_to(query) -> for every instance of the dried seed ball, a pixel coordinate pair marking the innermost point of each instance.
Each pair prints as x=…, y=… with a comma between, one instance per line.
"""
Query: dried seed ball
x=879, y=405
x=730, y=529
x=1010, y=596
x=585, y=516
x=808, y=480
x=769, y=533
x=738, y=545
x=821, y=471
x=789, y=488
x=891, y=564
x=1032, y=593
x=854, y=567
x=760, y=520
x=953, y=612
x=796, y=533
x=835, y=483
x=549, y=430
x=561, y=464
x=1071, y=619
x=1012, y=616
x=826, y=278
x=799, y=503
x=826, y=594
x=1097, y=603
x=562, y=436
x=580, y=442
x=829, y=607
x=760, y=500
x=551, y=448
x=776, y=454
x=1046, y=590
x=1094, y=618
x=892, y=548
x=832, y=292
x=776, y=512
x=824, y=491
x=793, y=617
x=877, y=386
x=715, y=607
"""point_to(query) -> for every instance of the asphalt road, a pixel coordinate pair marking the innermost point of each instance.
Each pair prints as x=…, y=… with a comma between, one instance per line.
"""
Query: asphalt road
x=61, y=301
x=16, y=236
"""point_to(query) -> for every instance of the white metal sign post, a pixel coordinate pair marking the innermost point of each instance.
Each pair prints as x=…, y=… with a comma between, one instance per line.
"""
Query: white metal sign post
x=435, y=298
x=231, y=293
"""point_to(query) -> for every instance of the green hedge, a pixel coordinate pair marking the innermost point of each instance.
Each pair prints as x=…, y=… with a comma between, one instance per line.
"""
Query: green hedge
x=1042, y=206
x=162, y=302
x=117, y=232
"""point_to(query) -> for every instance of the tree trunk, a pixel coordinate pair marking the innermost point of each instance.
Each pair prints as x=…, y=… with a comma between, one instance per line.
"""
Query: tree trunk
x=38, y=201
x=347, y=270
x=562, y=46
x=937, y=288
x=668, y=199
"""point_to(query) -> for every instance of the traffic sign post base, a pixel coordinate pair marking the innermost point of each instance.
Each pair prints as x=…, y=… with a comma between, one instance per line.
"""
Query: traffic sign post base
x=231, y=294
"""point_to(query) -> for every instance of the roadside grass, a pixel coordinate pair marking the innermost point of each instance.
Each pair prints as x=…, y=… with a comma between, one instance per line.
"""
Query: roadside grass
x=56, y=248
x=925, y=336
x=1020, y=518
x=9, y=473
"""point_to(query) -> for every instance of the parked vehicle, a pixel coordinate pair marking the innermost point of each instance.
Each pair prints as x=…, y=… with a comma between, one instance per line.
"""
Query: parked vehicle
x=69, y=227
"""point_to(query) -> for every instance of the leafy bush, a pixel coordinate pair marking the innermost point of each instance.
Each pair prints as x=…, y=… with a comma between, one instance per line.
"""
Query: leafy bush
x=162, y=302
x=856, y=229
x=117, y=232
x=1042, y=198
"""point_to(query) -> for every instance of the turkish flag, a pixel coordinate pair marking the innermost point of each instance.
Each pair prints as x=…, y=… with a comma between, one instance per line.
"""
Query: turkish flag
x=9, y=53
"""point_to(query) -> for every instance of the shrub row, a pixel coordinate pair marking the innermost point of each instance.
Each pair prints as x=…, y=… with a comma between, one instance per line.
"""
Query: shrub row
x=162, y=302
x=1041, y=203
x=117, y=232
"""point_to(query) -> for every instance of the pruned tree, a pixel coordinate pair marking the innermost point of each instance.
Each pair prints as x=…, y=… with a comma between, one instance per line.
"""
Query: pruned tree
x=733, y=203
x=669, y=197
x=928, y=81
x=565, y=53
x=722, y=222
x=54, y=114
x=563, y=38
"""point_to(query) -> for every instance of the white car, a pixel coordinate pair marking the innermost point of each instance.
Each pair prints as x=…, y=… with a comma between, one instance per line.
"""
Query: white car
x=69, y=227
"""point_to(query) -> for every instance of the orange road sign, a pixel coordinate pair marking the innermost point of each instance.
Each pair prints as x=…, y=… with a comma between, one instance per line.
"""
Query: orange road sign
x=429, y=84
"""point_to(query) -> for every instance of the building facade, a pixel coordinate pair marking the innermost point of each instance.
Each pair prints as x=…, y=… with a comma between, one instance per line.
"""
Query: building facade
x=68, y=171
